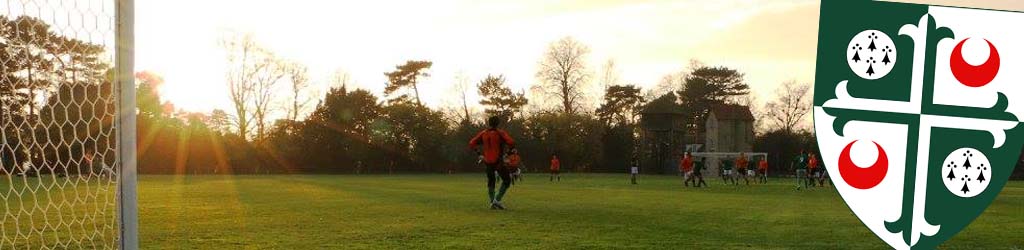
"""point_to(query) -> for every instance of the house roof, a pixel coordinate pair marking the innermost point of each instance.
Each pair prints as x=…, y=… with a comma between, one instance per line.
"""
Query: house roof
x=732, y=112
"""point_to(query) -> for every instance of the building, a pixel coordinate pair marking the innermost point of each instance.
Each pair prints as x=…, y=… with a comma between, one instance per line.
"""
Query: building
x=663, y=129
x=666, y=134
x=661, y=141
x=729, y=128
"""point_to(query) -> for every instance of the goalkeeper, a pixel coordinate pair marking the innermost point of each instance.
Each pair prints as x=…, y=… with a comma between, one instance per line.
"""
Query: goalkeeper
x=490, y=144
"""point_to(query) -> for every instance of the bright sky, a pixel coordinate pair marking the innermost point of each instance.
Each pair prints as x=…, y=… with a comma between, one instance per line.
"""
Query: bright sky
x=771, y=41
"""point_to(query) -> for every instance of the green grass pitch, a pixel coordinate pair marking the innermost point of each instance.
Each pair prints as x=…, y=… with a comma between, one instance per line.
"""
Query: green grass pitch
x=583, y=211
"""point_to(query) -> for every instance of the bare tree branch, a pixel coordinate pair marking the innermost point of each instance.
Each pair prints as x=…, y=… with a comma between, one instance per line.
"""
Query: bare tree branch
x=791, y=107
x=299, y=76
x=563, y=73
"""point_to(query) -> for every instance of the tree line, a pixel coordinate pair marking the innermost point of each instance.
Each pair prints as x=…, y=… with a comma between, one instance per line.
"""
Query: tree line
x=351, y=130
x=57, y=101
x=58, y=107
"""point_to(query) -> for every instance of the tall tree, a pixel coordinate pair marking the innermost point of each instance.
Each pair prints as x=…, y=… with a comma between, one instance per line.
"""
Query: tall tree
x=299, y=76
x=462, y=86
x=264, y=90
x=407, y=76
x=252, y=78
x=707, y=86
x=341, y=126
x=621, y=105
x=28, y=48
x=790, y=107
x=563, y=72
x=243, y=65
x=348, y=112
x=40, y=69
x=609, y=74
x=499, y=99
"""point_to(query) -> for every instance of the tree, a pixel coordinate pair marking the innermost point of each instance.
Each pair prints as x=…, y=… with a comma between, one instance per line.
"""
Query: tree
x=243, y=65
x=407, y=76
x=147, y=97
x=27, y=47
x=609, y=75
x=219, y=121
x=349, y=112
x=674, y=81
x=42, y=71
x=563, y=73
x=707, y=86
x=341, y=129
x=499, y=99
x=782, y=146
x=462, y=86
x=666, y=103
x=264, y=89
x=252, y=76
x=339, y=79
x=299, y=76
x=792, y=105
x=414, y=134
x=576, y=138
x=621, y=105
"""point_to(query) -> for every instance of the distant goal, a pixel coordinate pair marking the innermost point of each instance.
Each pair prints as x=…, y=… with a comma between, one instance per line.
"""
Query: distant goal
x=67, y=125
x=713, y=160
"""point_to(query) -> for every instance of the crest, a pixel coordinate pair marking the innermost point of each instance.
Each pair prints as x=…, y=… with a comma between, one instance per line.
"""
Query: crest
x=917, y=112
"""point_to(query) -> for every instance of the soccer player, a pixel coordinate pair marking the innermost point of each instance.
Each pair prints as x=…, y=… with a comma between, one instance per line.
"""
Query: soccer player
x=512, y=161
x=493, y=142
x=555, y=167
x=762, y=170
x=824, y=174
x=727, y=174
x=800, y=164
x=741, y=167
x=686, y=169
x=812, y=168
x=698, y=172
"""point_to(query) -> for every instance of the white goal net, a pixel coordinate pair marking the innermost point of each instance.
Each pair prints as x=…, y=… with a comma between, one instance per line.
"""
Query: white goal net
x=713, y=161
x=62, y=125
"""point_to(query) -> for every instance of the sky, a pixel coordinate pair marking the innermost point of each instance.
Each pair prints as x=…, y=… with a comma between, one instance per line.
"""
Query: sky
x=770, y=41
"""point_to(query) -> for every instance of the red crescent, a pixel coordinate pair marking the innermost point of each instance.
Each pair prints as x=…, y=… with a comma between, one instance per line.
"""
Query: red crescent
x=970, y=75
x=863, y=178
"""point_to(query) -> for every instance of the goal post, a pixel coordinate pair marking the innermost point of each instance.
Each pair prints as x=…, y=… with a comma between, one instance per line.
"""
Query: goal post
x=125, y=67
x=67, y=125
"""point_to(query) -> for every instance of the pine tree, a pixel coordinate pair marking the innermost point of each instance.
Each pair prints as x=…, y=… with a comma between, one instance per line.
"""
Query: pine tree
x=965, y=189
x=951, y=176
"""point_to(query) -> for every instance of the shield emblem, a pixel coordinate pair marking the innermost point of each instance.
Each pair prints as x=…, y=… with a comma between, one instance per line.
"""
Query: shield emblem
x=916, y=111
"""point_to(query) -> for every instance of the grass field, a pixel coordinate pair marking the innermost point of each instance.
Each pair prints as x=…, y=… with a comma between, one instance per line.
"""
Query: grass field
x=595, y=211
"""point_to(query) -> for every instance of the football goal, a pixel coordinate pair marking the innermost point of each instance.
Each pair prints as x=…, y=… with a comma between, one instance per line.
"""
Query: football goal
x=713, y=160
x=67, y=125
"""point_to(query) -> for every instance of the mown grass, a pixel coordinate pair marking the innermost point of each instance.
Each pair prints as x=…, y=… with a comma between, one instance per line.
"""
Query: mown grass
x=593, y=211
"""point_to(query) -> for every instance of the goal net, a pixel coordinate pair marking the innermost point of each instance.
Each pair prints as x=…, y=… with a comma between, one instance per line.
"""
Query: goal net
x=713, y=161
x=62, y=126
